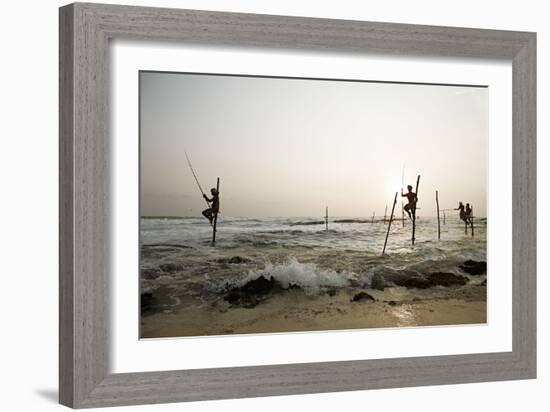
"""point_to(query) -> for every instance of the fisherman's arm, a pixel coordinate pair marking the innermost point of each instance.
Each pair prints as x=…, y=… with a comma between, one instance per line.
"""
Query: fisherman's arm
x=206, y=198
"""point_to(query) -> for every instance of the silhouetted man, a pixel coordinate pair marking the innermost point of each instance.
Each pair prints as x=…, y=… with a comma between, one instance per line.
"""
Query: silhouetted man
x=412, y=199
x=468, y=213
x=462, y=213
x=214, y=207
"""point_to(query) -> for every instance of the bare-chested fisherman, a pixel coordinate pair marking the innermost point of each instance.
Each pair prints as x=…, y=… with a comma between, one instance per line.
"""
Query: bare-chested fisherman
x=412, y=199
x=462, y=213
x=214, y=207
x=469, y=212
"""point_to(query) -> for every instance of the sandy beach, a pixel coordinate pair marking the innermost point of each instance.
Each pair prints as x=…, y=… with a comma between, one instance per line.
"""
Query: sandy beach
x=294, y=311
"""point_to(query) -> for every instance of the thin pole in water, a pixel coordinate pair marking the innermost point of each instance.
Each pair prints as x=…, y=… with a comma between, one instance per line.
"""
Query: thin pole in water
x=444, y=218
x=389, y=224
x=414, y=210
x=472, y=221
x=216, y=215
x=402, y=214
x=326, y=217
x=402, y=184
x=438, y=222
x=372, y=221
x=385, y=213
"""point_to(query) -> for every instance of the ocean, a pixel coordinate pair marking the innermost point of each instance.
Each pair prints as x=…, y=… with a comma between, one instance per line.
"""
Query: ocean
x=178, y=262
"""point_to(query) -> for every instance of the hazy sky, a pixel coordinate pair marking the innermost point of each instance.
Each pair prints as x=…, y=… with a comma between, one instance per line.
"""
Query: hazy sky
x=288, y=147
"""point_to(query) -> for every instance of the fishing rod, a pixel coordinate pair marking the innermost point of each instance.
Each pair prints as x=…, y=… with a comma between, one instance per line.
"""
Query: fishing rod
x=402, y=176
x=196, y=179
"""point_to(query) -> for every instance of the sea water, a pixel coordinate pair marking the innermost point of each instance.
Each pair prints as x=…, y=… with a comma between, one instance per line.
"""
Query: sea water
x=177, y=255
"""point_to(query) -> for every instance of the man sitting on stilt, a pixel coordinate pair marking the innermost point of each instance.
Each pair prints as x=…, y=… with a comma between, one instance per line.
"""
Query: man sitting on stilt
x=214, y=207
x=412, y=199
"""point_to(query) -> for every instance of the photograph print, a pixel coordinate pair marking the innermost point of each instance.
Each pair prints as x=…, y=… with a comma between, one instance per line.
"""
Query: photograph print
x=277, y=205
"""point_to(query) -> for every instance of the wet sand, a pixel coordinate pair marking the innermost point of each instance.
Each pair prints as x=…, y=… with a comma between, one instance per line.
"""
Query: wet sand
x=294, y=311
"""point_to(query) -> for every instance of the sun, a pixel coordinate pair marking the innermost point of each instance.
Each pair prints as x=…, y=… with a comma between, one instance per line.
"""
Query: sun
x=392, y=185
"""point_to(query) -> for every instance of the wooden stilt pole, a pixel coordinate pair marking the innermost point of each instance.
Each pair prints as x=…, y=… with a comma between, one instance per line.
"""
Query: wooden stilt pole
x=326, y=218
x=402, y=214
x=444, y=218
x=385, y=213
x=372, y=221
x=438, y=222
x=216, y=215
x=389, y=224
x=472, y=221
x=414, y=210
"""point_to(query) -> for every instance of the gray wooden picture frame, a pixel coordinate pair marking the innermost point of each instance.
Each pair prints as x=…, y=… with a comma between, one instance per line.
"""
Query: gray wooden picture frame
x=85, y=31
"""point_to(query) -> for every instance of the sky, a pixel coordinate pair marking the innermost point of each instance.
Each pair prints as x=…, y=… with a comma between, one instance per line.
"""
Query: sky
x=290, y=147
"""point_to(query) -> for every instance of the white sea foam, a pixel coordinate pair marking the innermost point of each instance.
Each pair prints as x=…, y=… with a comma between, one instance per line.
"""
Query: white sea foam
x=346, y=255
x=307, y=276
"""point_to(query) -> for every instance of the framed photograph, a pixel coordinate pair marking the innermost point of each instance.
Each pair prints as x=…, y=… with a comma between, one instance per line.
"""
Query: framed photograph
x=257, y=205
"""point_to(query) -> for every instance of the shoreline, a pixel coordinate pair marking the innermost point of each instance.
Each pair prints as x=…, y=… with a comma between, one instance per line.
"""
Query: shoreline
x=293, y=311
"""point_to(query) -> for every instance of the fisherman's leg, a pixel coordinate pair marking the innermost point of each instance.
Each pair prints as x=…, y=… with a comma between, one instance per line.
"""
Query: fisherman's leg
x=207, y=213
x=407, y=209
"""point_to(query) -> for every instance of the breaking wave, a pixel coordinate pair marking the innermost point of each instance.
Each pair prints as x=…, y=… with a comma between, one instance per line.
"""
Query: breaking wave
x=307, y=276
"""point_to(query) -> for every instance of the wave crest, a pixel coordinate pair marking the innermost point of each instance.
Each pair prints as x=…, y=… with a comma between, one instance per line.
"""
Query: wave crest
x=307, y=276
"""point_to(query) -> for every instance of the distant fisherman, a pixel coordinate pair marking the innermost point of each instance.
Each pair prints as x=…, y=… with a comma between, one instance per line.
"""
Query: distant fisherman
x=462, y=213
x=468, y=213
x=214, y=207
x=412, y=199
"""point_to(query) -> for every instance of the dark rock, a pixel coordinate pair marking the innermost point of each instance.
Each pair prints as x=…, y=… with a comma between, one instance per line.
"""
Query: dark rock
x=146, y=298
x=484, y=283
x=147, y=303
x=331, y=292
x=171, y=267
x=415, y=282
x=149, y=274
x=406, y=278
x=253, y=292
x=232, y=297
x=238, y=259
x=474, y=268
x=392, y=303
x=446, y=279
x=259, y=286
x=234, y=260
x=362, y=297
x=378, y=282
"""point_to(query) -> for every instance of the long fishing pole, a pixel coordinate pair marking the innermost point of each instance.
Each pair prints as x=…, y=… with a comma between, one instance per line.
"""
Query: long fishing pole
x=196, y=179
x=402, y=184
